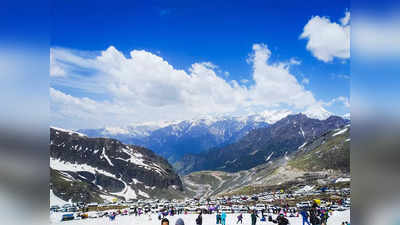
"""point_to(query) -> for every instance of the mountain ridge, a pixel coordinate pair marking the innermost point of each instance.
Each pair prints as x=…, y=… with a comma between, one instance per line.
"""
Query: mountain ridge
x=174, y=139
x=107, y=167
x=320, y=162
x=261, y=145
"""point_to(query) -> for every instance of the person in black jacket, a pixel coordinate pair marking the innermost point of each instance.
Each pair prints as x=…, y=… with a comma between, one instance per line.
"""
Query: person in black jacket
x=281, y=220
x=199, y=219
x=314, y=219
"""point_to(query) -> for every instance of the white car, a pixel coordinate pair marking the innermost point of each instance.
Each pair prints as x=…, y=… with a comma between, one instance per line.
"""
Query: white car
x=226, y=209
x=260, y=207
x=334, y=207
x=93, y=214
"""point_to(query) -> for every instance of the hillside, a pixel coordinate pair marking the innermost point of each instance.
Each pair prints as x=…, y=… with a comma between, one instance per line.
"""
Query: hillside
x=261, y=145
x=321, y=162
x=101, y=168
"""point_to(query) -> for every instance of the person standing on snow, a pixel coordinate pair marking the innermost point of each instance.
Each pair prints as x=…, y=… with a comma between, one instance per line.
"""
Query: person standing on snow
x=254, y=217
x=281, y=220
x=240, y=219
x=304, y=215
x=314, y=219
x=199, y=219
x=218, y=218
x=223, y=218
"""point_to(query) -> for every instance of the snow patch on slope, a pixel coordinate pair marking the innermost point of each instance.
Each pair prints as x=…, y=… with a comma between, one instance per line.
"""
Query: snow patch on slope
x=103, y=155
x=54, y=200
x=70, y=132
x=340, y=132
x=57, y=164
x=269, y=157
x=301, y=146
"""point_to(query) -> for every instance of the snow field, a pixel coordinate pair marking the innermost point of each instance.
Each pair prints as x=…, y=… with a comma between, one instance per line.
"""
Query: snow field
x=335, y=219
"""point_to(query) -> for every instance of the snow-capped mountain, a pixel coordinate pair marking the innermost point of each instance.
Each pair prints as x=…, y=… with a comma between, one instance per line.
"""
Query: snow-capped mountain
x=174, y=139
x=262, y=144
x=317, y=112
x=140, y=130
x=94, y=169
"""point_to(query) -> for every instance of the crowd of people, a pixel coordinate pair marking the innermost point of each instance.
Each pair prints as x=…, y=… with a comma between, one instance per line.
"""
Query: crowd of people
x=221, y=219
x=313, y=215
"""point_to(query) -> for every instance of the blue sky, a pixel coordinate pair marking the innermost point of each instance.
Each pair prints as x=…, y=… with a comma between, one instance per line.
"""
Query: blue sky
x=184, y=33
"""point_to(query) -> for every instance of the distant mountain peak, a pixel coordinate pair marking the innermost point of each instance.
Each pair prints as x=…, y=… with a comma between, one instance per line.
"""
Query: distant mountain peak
x=317, y=112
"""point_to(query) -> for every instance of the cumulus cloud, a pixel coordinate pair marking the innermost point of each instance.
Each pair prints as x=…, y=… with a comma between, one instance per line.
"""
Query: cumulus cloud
x=145, y=87
x=328, y=40
x=274, y=84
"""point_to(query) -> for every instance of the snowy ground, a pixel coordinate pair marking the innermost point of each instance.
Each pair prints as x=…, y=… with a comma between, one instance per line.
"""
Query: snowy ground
x=336, y=219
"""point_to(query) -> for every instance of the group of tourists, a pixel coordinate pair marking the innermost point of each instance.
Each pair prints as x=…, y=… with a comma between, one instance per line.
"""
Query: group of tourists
x=315, y=215
x=310, y=216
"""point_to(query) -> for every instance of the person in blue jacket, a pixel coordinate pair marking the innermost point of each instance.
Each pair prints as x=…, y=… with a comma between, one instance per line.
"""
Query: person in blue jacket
x=305, y=216
x=223, y=218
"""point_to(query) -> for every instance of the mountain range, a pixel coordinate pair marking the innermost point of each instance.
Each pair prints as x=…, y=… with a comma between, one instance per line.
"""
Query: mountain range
x=175, y=139
x=261, y=145
x=214, y=155
x=321, y=162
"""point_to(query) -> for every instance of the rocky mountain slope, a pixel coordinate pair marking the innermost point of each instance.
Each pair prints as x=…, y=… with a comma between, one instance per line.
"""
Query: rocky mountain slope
x=173, y=140
x=323, y=160
x=261, y=145
x=90, y=169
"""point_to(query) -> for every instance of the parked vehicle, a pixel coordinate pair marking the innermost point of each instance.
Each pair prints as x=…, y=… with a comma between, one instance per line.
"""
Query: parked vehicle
x=67, y=217
x=334, y=207
x=260, y=207
x=55, y=208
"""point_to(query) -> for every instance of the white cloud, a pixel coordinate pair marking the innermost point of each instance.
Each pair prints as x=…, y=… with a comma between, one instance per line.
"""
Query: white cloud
x=55, y=69
x=226, y=74
x=346, y=19
x=326, y=39
x=274, y=85
x=305, y=81
x=341, y=99
x=294, y=61
x=244, y=81
x=144, y=87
